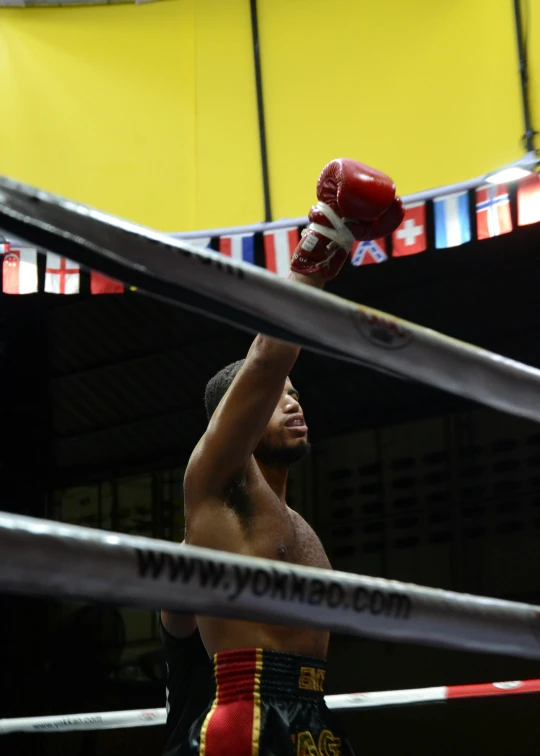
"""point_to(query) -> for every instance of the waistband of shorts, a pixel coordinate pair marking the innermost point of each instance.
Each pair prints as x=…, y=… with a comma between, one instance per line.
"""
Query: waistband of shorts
x=247, y=671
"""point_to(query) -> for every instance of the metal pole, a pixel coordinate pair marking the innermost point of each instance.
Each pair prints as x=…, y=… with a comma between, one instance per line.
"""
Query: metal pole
x=529, y=134
x=260, y=110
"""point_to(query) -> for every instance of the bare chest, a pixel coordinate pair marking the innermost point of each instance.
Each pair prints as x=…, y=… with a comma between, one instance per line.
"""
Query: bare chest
x=307, y=549
x=277, y=532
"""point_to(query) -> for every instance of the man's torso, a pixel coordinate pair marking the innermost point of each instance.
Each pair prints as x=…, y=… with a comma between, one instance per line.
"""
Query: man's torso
x=252, y=521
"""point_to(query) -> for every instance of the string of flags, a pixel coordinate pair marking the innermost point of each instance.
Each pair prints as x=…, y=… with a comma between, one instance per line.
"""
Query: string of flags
x=451, y=215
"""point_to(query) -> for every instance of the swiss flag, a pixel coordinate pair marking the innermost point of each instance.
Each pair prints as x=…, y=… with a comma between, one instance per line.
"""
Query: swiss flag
x=369, y=252
x=493, y=216
x=410, y=237
x=528, y=200
x=100, y=284
x=20, y=274
x=279, y=246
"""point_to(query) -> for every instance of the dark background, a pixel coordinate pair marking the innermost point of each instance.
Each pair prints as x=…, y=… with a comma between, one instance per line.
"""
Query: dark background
x=102, y=404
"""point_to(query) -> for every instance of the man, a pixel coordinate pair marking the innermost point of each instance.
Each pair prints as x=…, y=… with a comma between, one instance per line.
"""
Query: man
x=190, y=683
x=269, y=678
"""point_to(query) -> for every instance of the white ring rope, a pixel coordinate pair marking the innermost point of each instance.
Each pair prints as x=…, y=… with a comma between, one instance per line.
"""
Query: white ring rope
x=258, y=301
x=41, y=557
x=99, y=720
x=109, y=720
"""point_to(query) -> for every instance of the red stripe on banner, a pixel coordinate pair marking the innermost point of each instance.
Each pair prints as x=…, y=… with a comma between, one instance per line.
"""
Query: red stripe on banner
x=493, y=689
x=230, y=726
x=225, y=246
x=270, y=253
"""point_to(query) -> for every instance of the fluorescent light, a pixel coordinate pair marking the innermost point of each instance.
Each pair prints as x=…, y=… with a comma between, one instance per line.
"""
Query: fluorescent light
x=507, y=174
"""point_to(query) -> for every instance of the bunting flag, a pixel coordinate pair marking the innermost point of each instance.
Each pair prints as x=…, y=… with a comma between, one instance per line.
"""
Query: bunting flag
x=410, y=237
x=20, y=274
x=61, y=276
x=452, y=222
x=528, y=200
x=369, y=252
x=204, y=242
x=100, y=284
x=239, y=247
x=452, y=229
x=279, y=246
x=493, y=216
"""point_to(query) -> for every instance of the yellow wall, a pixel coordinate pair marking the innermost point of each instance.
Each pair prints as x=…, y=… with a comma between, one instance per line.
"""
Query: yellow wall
x=228, y=162
x=133, y=109
x=426, y=90
x=149, y=111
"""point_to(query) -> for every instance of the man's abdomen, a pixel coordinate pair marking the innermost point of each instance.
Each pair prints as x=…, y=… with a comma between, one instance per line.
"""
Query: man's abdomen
x=225, y=634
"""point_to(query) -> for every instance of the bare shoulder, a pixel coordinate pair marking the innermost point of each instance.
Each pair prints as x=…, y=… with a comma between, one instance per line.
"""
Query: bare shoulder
x=200, y=489
x=196, y=483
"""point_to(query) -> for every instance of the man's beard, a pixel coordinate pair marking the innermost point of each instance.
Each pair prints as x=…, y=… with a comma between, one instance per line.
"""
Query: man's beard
x=272, y=454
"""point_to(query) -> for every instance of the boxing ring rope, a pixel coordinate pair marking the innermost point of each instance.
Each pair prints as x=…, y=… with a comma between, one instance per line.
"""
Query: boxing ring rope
x=40, y=557
x=110, y=720
x=258, y=301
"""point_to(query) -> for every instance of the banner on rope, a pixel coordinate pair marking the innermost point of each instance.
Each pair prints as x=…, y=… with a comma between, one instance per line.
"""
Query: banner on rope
x=41, y=557
x=108, y=720
x=255, y=300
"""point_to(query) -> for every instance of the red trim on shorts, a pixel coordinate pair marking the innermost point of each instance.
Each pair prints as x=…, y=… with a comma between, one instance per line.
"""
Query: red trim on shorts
x=230, y=728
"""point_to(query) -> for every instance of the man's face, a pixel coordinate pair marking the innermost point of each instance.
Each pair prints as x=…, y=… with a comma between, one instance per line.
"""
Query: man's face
x=285, y=439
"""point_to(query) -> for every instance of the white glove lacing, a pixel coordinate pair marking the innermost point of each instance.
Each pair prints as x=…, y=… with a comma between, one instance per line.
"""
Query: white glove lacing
x=339, y=234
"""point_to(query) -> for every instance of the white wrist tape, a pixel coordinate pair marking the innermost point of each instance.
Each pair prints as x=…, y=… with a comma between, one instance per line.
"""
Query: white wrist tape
x=339, y=234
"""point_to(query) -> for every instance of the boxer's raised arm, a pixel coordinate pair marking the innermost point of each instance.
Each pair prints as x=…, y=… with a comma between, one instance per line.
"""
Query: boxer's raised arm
x=355, y=202
x=239, y=421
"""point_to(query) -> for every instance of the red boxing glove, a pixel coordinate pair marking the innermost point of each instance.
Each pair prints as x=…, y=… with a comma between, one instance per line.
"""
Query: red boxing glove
x=356, y=202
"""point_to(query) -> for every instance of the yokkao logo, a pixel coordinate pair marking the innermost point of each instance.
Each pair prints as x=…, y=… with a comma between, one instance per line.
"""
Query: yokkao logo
x=148, y=715
x=510, y=685
x=383, y=332
x=353, y=697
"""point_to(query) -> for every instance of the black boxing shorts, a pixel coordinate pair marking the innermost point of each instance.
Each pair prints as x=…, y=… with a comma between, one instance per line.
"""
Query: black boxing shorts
x=267, y=703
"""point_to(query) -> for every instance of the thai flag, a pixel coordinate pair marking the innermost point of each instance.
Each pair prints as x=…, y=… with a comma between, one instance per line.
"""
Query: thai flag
x=278, y=249
x=452, y=222
x=239, y=247
x=492, y=211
